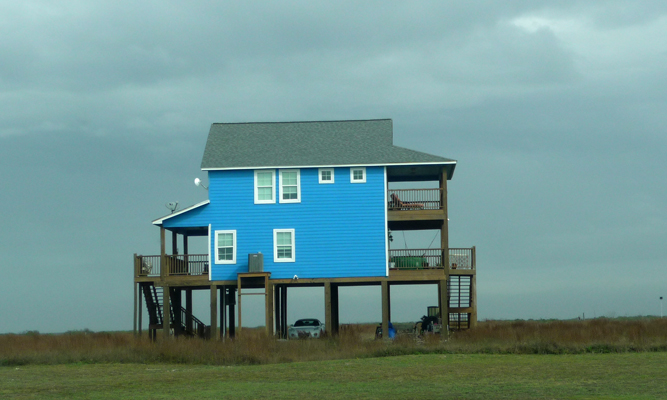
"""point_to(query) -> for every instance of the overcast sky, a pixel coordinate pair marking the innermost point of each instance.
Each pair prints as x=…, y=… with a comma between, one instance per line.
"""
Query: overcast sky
x=554, y=110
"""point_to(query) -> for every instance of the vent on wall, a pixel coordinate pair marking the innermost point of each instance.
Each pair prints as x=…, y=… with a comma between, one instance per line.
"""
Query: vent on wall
x=255, y=262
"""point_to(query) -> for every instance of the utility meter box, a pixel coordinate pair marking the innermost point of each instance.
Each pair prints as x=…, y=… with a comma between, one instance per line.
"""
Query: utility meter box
x=255, y=262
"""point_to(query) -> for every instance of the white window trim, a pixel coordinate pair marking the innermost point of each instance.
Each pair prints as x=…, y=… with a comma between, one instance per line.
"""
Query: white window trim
x=352, y=180
x=275, y=246
x=233, y=260
x=273, y=188
x=319, y=175
x=298, y=186
x=210, y=264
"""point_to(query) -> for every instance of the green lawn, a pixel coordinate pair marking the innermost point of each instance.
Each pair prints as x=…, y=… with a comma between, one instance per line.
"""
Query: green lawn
x=611, y=376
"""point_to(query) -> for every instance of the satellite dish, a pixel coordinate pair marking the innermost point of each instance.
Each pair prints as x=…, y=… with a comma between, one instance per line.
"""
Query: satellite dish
x=198, y=182
x=172, y=206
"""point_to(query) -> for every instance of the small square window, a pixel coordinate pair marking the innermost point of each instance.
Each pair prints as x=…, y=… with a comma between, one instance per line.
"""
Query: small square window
x=358, y=175
x=326, y=175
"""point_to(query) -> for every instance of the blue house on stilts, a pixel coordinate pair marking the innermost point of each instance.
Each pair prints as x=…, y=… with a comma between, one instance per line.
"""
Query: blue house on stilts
x=304, y=204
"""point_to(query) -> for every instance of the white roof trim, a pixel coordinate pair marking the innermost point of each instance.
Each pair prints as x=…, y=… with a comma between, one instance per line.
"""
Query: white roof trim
x=332, y=166
x=160, y=220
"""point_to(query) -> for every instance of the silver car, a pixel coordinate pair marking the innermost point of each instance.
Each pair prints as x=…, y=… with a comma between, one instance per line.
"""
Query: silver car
x=306, y=328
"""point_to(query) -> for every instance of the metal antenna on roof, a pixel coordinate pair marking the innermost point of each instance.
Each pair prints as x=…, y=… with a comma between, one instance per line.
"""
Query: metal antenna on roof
x=172, y=206
x=198, y=182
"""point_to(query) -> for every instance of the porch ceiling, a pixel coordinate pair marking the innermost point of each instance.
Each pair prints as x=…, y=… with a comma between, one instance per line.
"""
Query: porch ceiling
x=410, y=173
x=190, y=231
x=414, y=225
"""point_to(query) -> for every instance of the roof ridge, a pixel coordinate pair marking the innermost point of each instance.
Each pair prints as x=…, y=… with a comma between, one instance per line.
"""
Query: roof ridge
x=300, y=122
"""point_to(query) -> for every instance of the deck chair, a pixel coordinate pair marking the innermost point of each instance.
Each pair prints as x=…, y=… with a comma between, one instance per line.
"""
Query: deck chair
x=146, y=267
x=396, y=203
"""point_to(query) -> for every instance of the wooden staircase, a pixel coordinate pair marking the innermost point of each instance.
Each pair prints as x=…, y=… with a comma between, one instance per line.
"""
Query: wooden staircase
x=460, y=301
x=189, y=324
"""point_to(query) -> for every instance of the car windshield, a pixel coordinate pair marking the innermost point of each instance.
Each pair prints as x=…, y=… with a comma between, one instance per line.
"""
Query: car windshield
x=307, y=322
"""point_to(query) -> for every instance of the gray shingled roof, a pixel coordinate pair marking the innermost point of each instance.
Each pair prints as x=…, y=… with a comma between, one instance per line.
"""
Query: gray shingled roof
x=320, y=143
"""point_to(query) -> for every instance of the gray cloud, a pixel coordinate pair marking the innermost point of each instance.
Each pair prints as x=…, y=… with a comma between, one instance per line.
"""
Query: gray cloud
x=553, y=109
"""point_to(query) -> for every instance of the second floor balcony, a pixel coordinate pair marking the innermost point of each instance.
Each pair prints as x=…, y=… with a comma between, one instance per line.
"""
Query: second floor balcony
x=416, y=208
x=415, y=199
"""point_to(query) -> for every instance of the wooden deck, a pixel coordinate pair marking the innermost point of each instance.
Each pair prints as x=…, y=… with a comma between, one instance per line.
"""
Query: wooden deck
x=179, y=265
x=189, y=269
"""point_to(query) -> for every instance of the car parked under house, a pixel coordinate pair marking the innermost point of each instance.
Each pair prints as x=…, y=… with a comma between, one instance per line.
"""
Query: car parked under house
x=306, y=328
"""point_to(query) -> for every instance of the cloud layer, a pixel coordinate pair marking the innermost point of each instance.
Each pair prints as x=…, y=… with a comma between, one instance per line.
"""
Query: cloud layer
x=555, y=111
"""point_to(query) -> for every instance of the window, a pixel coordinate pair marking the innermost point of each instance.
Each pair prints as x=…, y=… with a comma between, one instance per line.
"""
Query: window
x=358, y=175
x=283, y=245
x=225, y=247
x=326, y=175
x=264, y=187
x=290, y=186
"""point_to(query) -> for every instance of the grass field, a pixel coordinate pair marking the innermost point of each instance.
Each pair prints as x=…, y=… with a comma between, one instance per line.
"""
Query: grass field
x=601, y=358
x=433, y=376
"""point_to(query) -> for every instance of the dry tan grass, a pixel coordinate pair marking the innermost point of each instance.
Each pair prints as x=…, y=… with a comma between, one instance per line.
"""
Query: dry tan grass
x=354, y=341
x=601, y=334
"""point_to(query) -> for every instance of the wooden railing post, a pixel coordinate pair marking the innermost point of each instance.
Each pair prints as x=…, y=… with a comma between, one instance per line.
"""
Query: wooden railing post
x=137, y=265
x=444, y=229
x=474, y=258
x=163, y=255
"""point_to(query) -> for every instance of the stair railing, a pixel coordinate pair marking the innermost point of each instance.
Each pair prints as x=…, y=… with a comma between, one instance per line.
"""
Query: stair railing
x=198, y=328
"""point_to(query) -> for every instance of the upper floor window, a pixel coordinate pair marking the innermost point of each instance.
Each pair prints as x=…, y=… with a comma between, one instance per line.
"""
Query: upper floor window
x=358, y=175
x=225, y=247
x=265, y=182
x=283, y=245
x=326, y=175
x=290, y=186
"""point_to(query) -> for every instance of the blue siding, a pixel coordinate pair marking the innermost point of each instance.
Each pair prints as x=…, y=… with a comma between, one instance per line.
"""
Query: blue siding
x=339, y=228
x=198, y=217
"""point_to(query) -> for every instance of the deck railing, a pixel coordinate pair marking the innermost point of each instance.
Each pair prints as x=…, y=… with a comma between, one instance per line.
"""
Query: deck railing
x=459, y=258
x=188, y=264
x=415, y=258
x=180, y=264
x=414, y=199
x=193, y=325
x=146, y=265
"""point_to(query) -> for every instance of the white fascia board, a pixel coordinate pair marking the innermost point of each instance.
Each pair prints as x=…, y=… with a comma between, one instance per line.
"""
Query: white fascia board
x=330, y=166
x=160, y=220
x=210, y=263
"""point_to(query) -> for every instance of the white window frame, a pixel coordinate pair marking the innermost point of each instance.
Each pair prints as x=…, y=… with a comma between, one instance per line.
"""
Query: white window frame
x=273, y=187
x=352, y=180
x=233, y=260
x=275, y=246
x=319, y=175
x=298, y=186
